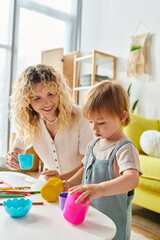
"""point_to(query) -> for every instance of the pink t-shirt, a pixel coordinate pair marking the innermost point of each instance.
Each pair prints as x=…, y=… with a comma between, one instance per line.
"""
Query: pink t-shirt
x=127, y=157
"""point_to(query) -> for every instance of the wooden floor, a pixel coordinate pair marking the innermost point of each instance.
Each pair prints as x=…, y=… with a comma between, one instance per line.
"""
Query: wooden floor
x=146, y=222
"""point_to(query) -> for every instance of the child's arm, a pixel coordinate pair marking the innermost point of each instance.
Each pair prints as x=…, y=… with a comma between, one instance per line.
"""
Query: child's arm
x=122, y=184
x=74, y=180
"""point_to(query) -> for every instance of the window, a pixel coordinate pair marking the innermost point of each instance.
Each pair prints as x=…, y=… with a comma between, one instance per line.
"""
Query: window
x=61, y=5
x=35, y=37
x=6, y=16
x=28, y=28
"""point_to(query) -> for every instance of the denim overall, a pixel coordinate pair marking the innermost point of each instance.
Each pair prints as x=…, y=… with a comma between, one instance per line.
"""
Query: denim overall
x=117, y=207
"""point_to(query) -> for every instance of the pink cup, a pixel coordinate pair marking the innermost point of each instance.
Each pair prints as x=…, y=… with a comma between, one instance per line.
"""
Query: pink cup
x=74, y=212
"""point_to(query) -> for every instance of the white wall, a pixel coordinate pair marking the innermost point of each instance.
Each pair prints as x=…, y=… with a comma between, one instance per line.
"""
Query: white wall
x=107, y=26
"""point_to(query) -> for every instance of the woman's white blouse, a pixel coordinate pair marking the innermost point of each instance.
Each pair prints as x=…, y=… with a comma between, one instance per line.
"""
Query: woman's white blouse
x=62, y=154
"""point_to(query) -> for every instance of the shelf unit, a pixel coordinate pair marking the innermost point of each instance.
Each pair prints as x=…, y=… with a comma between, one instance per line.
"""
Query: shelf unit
x=62, y=63
x=95, y=59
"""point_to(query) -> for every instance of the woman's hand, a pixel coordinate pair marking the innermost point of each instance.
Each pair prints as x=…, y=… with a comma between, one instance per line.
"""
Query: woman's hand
x=47, y=174
x=89, y=192
x=12, y=160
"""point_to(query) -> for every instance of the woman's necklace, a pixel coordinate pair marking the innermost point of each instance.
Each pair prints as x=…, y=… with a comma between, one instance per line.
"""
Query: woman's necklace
x=48, y=121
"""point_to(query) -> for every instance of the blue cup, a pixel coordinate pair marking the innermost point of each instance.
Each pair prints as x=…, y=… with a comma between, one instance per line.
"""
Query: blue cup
x=62, y=199
x=26, y=161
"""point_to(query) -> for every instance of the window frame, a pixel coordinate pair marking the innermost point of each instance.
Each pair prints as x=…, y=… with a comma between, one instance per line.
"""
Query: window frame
x=72, y=20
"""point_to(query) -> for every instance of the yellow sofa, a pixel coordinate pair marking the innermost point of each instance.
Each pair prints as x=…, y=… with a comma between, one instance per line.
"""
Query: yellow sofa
x=147, y=194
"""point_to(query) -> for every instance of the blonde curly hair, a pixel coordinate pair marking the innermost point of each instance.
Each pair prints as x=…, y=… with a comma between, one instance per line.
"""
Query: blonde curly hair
x=26, y=120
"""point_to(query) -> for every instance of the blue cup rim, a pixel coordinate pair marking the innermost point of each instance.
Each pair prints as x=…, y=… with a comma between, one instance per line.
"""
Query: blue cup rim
x=24, y=155
x=64, y=194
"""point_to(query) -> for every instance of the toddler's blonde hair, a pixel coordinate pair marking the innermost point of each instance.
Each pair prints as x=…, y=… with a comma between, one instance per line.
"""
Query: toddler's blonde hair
x=109, y=97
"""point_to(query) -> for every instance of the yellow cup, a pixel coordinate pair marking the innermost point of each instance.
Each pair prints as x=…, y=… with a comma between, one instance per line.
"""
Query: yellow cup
x=51, y=189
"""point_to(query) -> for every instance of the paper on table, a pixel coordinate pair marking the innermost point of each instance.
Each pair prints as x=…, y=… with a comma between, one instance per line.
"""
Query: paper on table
x=38, y=184
x=21, y=181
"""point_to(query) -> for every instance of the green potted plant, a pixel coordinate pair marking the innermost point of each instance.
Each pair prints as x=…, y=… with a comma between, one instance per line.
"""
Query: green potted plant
x=135, y=102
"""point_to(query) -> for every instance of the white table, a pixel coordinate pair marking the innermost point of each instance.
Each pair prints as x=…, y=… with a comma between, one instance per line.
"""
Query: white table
x=46, y=221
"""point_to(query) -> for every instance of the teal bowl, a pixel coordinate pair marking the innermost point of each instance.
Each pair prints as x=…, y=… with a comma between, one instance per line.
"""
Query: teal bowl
x=17, y=207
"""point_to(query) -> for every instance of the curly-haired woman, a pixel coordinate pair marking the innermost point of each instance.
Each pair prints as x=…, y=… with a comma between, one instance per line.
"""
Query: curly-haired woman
x=46, y=118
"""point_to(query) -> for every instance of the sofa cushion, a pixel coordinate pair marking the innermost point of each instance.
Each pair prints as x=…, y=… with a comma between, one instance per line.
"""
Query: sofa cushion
x=151, y=175
x=137, y=126
x=150, y=143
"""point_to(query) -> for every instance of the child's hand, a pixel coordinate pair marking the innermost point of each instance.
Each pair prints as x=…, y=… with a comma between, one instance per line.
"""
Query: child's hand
x=89, y=192
x=66, y=186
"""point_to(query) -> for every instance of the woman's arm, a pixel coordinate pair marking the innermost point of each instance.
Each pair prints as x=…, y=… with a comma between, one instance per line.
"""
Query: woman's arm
x=12, y=158
x=47, y=174
x=68, y=175
x=73, y=172
x=122, y=184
